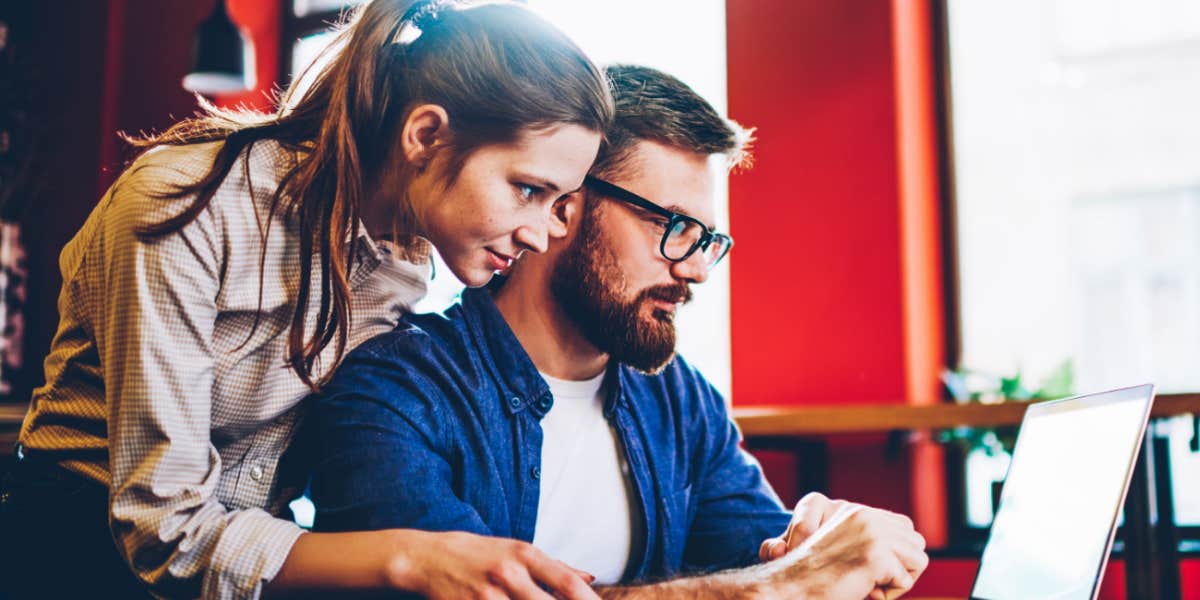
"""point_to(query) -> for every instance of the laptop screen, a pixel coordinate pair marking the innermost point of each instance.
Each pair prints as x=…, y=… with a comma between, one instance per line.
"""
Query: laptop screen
x=1065, y=486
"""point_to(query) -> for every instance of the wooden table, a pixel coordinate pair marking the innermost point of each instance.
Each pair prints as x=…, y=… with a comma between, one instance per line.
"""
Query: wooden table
x=1151, y=551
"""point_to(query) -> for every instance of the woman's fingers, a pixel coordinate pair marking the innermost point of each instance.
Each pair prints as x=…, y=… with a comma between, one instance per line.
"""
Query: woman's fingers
x=566, y=582
x=588, y=578
x=521, y=587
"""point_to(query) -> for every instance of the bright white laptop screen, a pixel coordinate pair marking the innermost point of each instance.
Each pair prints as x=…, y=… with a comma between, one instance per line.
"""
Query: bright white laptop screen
x=1064, y=489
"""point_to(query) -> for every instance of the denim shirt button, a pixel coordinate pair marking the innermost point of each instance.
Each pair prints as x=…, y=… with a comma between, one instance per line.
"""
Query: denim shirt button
x=514, y=402
x=536, y=473
x=545, y=403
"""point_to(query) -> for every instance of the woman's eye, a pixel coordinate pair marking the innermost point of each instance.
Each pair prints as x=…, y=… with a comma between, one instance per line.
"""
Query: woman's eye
x=526, y=192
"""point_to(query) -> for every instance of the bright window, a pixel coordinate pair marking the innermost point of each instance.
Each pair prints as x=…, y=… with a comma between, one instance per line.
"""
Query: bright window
x=1076, y=140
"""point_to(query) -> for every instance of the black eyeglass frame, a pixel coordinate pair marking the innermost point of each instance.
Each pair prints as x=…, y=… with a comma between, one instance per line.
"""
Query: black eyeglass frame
x=706, y=237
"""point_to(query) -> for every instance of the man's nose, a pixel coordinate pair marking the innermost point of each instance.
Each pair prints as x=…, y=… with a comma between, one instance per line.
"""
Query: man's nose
x=693, y=269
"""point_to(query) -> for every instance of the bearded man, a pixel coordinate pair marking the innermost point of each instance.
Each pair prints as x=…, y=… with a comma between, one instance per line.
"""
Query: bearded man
x=551, y=407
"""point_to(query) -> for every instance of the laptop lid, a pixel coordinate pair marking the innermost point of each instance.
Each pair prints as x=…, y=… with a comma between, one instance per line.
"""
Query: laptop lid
x=1071, y=466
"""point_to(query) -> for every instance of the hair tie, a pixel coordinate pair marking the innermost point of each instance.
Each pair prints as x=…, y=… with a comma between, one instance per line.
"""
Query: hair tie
x=416, y=19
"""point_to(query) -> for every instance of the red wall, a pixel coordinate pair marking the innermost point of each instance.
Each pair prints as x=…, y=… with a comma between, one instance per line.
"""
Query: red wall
x=815, y=311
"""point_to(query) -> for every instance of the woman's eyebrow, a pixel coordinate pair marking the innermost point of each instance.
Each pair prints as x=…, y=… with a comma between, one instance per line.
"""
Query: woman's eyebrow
x=539, y=181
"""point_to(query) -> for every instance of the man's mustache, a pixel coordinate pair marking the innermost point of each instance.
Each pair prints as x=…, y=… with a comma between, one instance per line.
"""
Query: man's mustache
x=675, y=294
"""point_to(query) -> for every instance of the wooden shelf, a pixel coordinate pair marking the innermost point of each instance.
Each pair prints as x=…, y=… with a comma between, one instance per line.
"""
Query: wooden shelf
x=824, y=420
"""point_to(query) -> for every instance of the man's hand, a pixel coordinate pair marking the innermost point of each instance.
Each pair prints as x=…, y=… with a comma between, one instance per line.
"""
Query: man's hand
x=811, y=512
x=844, y=551
x=853, y=552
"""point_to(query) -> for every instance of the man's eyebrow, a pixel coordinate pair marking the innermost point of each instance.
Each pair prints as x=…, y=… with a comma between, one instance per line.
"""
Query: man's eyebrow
x=675, y=208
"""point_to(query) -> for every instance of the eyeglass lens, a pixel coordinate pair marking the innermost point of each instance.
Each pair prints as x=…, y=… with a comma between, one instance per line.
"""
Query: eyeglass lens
x=685, y=235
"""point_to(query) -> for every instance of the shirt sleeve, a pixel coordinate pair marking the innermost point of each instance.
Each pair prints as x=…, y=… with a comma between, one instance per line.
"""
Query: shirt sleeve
x=154, y=333
x=382, y=454
x=736, y=509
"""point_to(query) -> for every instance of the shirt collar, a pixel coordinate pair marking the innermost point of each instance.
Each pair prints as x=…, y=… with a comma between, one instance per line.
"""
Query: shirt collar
x=520, y=382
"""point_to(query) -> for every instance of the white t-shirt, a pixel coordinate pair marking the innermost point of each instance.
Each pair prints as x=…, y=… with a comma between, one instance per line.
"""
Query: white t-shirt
x=585, y=515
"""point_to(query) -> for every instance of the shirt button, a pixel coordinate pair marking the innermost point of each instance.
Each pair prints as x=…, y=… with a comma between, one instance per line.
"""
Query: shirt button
x=514, y=402
x=256, y=472
x=545, y=403
x=536, y=473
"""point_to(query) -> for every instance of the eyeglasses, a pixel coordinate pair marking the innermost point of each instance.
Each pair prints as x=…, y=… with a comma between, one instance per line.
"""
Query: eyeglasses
x=682, y=235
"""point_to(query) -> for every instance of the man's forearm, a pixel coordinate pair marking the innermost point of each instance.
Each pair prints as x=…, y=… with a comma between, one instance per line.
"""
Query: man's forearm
x=740, y=584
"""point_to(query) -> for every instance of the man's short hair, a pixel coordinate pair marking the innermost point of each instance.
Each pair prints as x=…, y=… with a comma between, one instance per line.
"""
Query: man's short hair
x=652, y=105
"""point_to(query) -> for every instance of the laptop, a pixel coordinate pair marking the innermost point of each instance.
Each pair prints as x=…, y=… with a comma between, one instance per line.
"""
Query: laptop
x=1070, y=470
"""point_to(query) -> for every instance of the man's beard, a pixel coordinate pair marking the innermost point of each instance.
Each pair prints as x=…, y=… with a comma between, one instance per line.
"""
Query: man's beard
x=585, y=283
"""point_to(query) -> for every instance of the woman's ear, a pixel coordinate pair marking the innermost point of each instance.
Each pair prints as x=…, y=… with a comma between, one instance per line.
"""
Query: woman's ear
x=426, y=128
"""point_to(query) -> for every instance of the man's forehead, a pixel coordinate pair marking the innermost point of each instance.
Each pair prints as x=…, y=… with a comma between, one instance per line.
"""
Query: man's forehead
x=676, y=179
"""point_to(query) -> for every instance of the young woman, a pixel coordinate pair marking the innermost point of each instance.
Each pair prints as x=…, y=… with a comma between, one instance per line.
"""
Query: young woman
x=225, y=273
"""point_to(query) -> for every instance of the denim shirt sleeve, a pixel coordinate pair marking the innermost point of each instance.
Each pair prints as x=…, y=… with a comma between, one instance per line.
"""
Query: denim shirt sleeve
x=382, y=451
x=735, y=507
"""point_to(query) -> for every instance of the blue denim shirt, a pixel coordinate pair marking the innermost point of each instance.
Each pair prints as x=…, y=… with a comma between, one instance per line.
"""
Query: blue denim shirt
x=436, y=426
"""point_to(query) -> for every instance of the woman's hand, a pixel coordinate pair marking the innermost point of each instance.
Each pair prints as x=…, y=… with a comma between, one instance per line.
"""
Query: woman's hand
x=440, y=566
x=462, y=565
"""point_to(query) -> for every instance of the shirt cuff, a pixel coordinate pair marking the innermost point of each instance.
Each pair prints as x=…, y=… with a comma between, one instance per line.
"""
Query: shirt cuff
x=252, y=549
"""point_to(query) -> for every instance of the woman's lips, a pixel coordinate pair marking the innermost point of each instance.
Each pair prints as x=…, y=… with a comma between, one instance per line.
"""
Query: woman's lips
x=497, y=261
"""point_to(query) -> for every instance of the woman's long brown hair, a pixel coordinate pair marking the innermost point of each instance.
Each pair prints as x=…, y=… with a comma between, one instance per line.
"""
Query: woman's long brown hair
x=496, y=68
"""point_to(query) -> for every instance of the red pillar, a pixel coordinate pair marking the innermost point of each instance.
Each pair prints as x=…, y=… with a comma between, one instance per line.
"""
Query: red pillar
x=836, y=295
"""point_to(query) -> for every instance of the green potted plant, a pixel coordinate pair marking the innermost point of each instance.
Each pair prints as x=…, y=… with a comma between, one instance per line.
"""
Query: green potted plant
x=967, y=386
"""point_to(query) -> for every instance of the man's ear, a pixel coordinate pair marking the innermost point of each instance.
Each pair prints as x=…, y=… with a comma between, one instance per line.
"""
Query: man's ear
x=565, y=214
x=426, y=128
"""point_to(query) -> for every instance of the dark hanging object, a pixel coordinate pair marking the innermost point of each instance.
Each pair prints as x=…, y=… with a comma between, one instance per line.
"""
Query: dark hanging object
x=222, y=57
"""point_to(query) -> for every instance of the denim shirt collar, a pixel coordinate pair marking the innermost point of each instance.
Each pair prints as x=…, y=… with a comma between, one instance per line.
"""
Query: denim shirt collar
x=510, y=366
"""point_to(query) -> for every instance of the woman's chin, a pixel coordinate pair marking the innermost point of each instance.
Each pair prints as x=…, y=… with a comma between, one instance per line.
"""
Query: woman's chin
x=474, y=276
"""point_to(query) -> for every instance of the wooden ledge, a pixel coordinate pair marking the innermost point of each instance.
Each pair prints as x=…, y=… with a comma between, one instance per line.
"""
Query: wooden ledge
x=824, y=420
